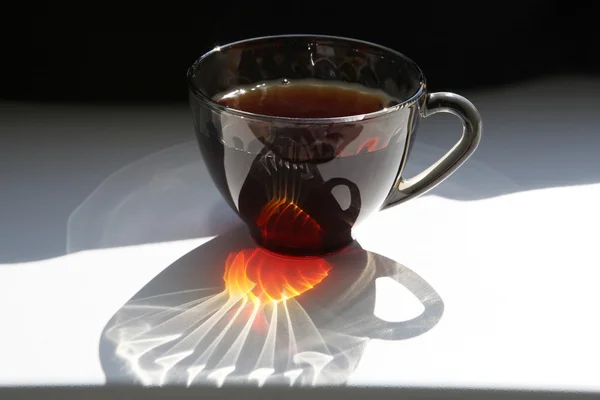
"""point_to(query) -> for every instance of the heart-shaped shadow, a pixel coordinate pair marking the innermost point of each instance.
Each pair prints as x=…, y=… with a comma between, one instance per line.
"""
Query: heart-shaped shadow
x=231, y=313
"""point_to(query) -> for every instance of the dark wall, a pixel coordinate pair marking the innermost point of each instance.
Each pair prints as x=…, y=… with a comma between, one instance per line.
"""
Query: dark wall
x=139, y=51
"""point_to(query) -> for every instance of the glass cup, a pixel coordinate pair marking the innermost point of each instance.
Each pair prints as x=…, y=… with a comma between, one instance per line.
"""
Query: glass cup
x=302, y=184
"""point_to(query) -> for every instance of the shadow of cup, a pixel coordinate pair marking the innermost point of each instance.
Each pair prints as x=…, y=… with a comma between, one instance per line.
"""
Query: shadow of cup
x=231, y=313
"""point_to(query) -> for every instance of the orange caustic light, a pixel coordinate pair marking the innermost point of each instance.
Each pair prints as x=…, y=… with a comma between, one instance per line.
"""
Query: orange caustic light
x=282, y=221
x=264, y=276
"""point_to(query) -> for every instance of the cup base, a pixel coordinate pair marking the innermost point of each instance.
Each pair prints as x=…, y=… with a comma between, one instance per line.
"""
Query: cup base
x=296, y=251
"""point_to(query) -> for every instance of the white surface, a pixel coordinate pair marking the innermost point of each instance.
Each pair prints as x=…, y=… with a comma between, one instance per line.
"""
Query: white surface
x=507, y=243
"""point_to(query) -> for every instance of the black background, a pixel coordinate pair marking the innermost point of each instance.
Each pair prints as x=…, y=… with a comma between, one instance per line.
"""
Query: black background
x=126, y=51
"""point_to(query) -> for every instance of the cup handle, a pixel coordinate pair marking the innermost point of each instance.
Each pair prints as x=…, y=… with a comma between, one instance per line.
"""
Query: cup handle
x=407, y=189
x=355, y=202
x=373, y=327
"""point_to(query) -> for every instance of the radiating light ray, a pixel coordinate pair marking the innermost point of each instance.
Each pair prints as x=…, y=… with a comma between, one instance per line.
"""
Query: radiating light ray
x=131, y=330
x=303, y=327
x=199, y=294
x=266, y=358
x=306, y=345
x=189, y=342
x=168, y=362
x=293, y=375
x=193, y=372
x=219, y=375
x=231, y=357
x=209, y=351
x=134, y=349
x=316, y=360
x=261, y=375
x=285, y=186
x=181, y=322
x=132, y=352
x=291, y=336
x=228, y=362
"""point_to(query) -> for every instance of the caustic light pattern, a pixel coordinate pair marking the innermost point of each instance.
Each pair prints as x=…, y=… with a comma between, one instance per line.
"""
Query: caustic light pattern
x=253, y=331
x=264, y=276
x=282, y=221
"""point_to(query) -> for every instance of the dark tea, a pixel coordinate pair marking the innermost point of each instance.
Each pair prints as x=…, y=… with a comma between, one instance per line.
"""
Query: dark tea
x=301, y=188
x=306, y=99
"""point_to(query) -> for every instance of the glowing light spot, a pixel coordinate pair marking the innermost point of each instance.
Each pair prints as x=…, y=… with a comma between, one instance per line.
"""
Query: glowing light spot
x=370, y=145
x=263, y=276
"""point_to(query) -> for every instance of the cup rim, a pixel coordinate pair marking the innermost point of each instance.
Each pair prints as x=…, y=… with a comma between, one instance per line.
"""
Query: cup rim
x=215, y=106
